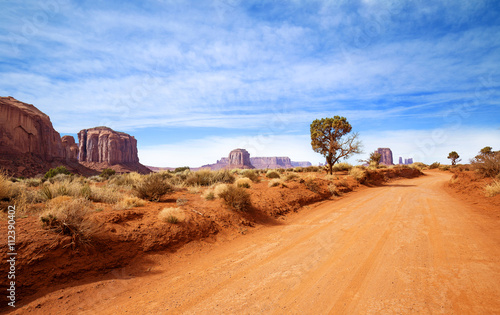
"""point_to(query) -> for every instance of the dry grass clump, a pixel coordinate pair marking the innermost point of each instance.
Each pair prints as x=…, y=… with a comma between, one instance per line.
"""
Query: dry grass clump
x=272, y=174
x=68, y=216
x=172, y=215
x=487, y=164
x=220, y=189
x=358, y=174
x=291, y=176
x=208, y=177
x=129, y=203
x=208, y=194
x=276, y=182
x=493, y=189
x=236, y=198
x=5, y=187
x=125, y=180
x=344, y=166
x=243, y=182
x=152, y=187
x=332, y=188
x=105, y=194
x=251, y=174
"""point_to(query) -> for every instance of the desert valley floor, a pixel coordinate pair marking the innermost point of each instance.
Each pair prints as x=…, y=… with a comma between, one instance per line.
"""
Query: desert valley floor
x=410, y=246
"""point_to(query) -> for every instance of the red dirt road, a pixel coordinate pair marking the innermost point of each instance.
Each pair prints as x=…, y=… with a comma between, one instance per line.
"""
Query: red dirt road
x=407, y=247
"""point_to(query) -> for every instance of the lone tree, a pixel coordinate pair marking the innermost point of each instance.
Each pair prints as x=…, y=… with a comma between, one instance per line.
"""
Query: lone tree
x=331, y=138
x=486, y=151
x=453, y=156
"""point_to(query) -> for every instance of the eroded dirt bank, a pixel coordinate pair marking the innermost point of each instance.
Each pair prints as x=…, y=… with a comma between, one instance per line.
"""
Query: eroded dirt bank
x=407, y=247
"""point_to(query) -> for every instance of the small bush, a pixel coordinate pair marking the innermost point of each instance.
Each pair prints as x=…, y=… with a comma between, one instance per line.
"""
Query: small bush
x=358, y=174
x=434, y=165
x=152, y=187
x=181, y=169
x=312, y=185
x=243, y=182
x=444, y=167
x=208, y=177
x=209, y=195
x=68, y=217
x=5, y=187
x=276, y=182
x=291, y=176
x=487, y=164
x=172, y=215
x=339, y=167
x=33, y=182
x=272, y=174
x=125, y=180
x=251, y=174
x=236, y=198
x=220, y=189
x=332, y=188
x=298, y=169
x=107, y=173
x=55, y=171
x=493, y=189
x=129, y=203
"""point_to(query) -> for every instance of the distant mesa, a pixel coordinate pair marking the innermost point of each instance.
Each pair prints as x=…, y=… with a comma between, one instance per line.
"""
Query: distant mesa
x=29, y=145
x=406, y=161
x=240, y=158
x=385, y=156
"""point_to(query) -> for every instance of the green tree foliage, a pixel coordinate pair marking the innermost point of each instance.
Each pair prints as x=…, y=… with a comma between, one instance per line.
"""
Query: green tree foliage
x=331, y=137
x=486, y=151
x=454, y=157
x=375, y=157
x=55, y=171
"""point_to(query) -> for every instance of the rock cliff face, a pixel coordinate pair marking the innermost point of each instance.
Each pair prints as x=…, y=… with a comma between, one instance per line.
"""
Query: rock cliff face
x=239, y=158
x=70, y=149
x=26, y=130
x=104, y=145
x=271, y=162
x=386, y=156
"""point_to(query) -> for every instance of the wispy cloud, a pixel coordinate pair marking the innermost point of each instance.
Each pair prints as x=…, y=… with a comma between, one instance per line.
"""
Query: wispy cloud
x=248, y=65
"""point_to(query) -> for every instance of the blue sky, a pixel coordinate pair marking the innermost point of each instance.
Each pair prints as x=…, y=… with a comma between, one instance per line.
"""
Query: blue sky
x=192, y=80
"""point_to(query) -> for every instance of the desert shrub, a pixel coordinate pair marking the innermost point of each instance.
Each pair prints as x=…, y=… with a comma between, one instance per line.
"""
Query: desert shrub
x=33, y=182
x=208, y=177
x=129, y=203
x=172, y=215
x=493, y=189
x=194, y=189
x=68, y=217
x=209, y=195
x=181, y=169
x=444, y=167
x=58, y=170
x=5, y=187
x=418, y=165
x=107, y=173
x=344, y=166
x=358, y=174
x=276, y=182
x=96, y=179
x=332, y=188
x=152, y=187
x=434, y=165
x=298, y=169
x=243, y=182
x=220, y=189
x=60, y=178
x=487, y=164
x=291, y=176
x=125, y=180
x=236, y=198
x=105, y=194
x=272, y=174
x=343, y=183
x=251, y=174
x=311, y=169
x=312, y=185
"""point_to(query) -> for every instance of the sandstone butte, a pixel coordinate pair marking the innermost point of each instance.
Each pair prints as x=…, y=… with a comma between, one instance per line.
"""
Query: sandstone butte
x=29, y=145
x=385, y=156
x=240, y=158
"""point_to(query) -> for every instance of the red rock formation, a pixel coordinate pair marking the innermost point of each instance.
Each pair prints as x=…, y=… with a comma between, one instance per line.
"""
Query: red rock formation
x=239, y=158
x=271, y=162
x=386, y=156
x=102, y=147
x=70, y=148
x=102, y=144
x=26, y=130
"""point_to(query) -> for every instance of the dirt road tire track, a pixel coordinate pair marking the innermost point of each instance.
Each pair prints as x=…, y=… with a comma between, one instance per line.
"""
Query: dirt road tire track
x=407, y=247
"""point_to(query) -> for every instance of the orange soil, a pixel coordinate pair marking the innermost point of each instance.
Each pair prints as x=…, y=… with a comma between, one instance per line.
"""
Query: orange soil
x=405, y=247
